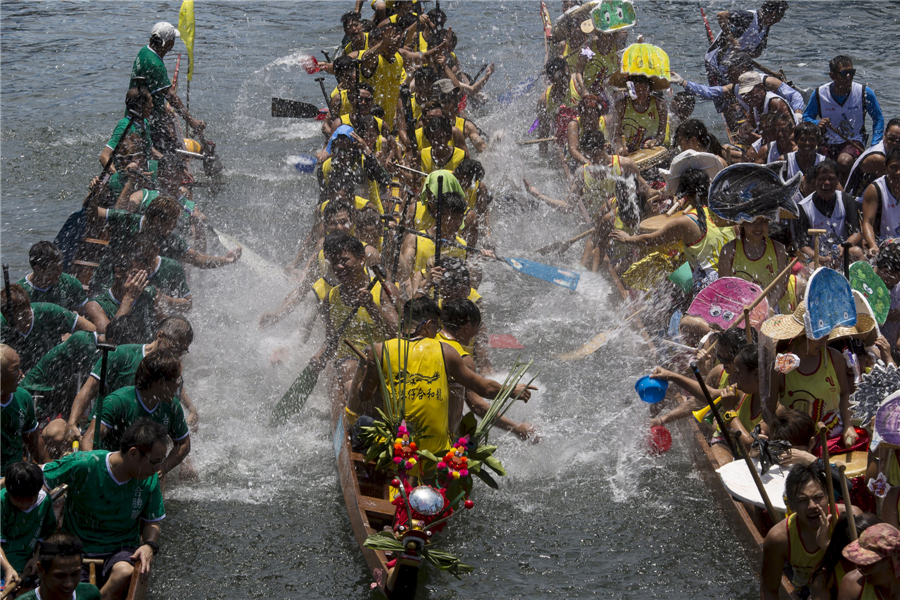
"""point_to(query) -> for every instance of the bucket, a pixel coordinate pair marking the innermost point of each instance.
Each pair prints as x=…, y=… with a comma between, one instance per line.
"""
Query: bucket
x=305, y=164
x=651, y=390
x=660, y=440
x=683, y=277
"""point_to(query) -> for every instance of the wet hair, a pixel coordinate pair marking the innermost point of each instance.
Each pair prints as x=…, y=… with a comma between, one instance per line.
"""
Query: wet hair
x=44, y=254
x=421, y=309
x=805, y=128
x=555, y=64
x=696, y=182
x=123, y=262
x=367, y=217
x=694, y=128
x=826, y=165
x=344, y=64
x=340, y=243
x=892, y=123
x=834, y=66
x=144, y=433
x=147, y=244
x=591, y=141
x=799, y=476
x=126, y=329
x=734, y=339
x=365, y=86
x=438, y=124
x=156, y=366
x=784, y=118
x=455, y=271
x=840, y=538
x=347, y=17
x=795, y=426
x=135, y=98
x=455, y=203
x=892, y=156
x=24, y=479
x=774, y=7
x=18, y=299
x=59, y=543
x=470, y=167
x=333, y=208
x=749, y=356
x=437, y=17
x=177, y=328
x=425, y=76
x=163, y=207
x=456, y=314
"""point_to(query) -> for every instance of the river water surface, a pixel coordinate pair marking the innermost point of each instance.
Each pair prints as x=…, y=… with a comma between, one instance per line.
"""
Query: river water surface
x=586, y=513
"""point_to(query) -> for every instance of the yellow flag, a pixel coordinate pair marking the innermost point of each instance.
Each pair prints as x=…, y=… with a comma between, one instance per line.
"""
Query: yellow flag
x=186, y=29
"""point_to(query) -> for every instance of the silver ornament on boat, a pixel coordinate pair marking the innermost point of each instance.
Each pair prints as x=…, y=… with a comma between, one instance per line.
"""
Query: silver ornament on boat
x=426, y=500
x=872, y=390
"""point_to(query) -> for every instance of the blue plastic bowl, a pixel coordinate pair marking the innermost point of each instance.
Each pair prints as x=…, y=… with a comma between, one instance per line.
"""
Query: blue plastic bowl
x=651, y=390
x=305, y=164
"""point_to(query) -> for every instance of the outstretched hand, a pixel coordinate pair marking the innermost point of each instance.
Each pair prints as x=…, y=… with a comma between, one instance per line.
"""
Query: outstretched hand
x=521, y=392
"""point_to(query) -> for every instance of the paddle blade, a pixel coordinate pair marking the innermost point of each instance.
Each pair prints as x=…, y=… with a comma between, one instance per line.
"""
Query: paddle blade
x=505, y=340
x=586, y=349
x=566, y=279
x=296, y=396
x=293, y=109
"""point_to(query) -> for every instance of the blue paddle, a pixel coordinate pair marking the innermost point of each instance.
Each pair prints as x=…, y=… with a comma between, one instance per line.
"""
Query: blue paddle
x=522, y=88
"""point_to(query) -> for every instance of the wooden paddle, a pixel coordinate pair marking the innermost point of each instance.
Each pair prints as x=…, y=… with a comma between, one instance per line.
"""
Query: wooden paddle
x=826, y=462
x=538, y=141
x=101, y=392
x=816, y=233
x=563, y=245
x=848, y=506
x=855, y=144
x=293, y=109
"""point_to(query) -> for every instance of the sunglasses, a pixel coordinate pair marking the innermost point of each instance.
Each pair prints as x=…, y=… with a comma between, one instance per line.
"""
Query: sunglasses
x=847, y=72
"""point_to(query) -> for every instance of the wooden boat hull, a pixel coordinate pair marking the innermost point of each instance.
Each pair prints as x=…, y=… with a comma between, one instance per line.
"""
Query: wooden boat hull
x=701, y=455
x=366, y=494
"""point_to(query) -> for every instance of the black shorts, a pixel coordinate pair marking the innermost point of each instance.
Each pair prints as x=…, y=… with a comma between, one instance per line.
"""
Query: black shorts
x=109, y=559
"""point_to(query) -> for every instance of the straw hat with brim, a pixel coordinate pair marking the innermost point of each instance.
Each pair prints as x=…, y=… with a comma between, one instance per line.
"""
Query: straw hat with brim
x=866, y=328
x=787, y=327
x=690, y=159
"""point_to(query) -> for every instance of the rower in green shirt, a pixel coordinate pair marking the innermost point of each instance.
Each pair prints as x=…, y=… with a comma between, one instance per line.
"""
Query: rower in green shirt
x=114, y=503
x=165, y=274
x=59, y=569
x=153, y=396
x=130, y=294
x=33, y=329
x=19, y=427
x=138, y=104
x=26, y=516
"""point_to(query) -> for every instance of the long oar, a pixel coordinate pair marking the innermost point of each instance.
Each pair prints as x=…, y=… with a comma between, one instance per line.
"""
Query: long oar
x=826, y=462
x=563, y=245
x=848, y=504
x=538, y=141
x=295, y=398
x=294, y=109
x=105, y=349
x=593, y=344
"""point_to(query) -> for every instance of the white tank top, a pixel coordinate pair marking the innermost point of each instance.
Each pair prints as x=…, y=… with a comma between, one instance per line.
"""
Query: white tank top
x=890, y=210
x=773, y=153
x=793, y=167
x=834, y=224
x=848, y=118
x=852, y=184
x=756, y=113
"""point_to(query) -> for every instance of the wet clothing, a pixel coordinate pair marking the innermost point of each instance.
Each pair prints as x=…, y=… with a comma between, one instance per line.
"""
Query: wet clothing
x=84, y=591
x=121, y=366
x=169, y=278
x=847, y=113
x=17, y=419
x=838, y=216
x=638, y=127
x=386, y=82
x=857, y=181
x=144, y=307
x=761, y=271
x=803, y=562
x=55, y=380
x=149, y=65
x=20, y=530
x=359, y=323
x=67, y=292
x=429, y=165
x=887, y=219
x=48, y=323
x=125, y=406
x=818, y=393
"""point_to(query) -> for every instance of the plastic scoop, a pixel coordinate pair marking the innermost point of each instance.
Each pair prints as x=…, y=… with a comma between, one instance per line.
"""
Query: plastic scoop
x=660, y=440
x=651, y=390
x=310, y=64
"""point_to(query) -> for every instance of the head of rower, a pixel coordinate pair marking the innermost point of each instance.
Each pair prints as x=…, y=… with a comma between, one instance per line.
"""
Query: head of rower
x=365, y=99
x=557, y=71
x=16, y=307
x=46, y=262
x=453, y=211
x=345, y=71
x=841, y=71
x=162, y=216
x=449, y=95
x=752, y=89
x=784, y=132
x=174, y=337
x=59, y=565
x=756, y=231
x=421, y=318
x=590, y=109
x=469, y=173
x=461, y=318
x=162, y=38
x=824, y=176
x=158, y=378
x=344, y=149
x=438, y=130
x=771, y=12
x=336, y=216
x=807, y=495
x=352, y=24
x=425, y=78
x=806, y=136
x=139, y=102
x=347, y=257
x=367, y=223
x=693, y=135
x=729, y=344
x=892, y=164
x=593, y=146
x=891, y=136
x=643, y=85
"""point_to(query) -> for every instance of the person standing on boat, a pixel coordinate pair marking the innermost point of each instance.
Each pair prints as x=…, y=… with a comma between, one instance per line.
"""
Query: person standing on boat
x=150, y=71
x=839, y=109
x=881, y=205
x=877, y=557
x=803, y=537
x=744, y=33
x=871, y=164
x=114, y=503
x=428, y=368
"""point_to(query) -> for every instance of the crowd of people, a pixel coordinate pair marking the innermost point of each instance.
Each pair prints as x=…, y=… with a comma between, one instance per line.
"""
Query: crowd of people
x=392, y=265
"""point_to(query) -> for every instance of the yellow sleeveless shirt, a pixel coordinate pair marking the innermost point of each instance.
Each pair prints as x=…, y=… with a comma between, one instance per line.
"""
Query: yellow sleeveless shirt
x=360, y=327
x=386, y=82
x=456, y=345
x=598, y=191
x=761, y=271
x=346, y=108
x=601, y=66
x=816, y=393
x=425, y=385
x=637, y=127
x=803, y=562
x=705, y=252
x=571, y=100
x=425, y=249
x=429, y=166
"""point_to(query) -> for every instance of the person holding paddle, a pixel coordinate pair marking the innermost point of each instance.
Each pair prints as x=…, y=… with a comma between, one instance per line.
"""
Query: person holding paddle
x=881, y=204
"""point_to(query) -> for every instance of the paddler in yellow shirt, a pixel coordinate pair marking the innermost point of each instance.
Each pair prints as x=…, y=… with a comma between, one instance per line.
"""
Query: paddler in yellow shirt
x=417, y=249
x=428, y=367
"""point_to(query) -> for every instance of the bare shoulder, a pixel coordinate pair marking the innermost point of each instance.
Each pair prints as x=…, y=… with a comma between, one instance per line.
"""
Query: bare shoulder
x=851, y=586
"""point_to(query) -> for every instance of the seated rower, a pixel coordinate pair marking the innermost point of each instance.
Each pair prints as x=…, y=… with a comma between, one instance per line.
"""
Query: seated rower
x=430, y=366
x=341, y=104
x=834, y=211
x=804, y=158
x=20, y=428
x=130, y=294
x=416, y=249
x=827, y=579
x=877, y=573
x=640, y=122
x=782, y=141
x=590, y=119
x=871, y=164
x=59, y=570
x=422, y=94
x=174, y=336
x=440, y=155
x=27, y=517
x=887, y=267
x=153, y=396
x=138, y=104
x=48, y=283
x=693, y=135
x=881, y=205
x=460, y=322
x=562, y=91
x=802, y=539
x=33, y=329
x=434, y=109
x=755, y=257
x=114, y=503
x=703, y=239
x=450, y=95
x=354, y=309
x=165, y=274
x=356, y=33
x=470, y=174
x=352, y=167
x=370, y=128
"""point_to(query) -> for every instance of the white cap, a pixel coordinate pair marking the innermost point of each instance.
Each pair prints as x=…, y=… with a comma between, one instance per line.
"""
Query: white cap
x=749, y=80
x=164, y=32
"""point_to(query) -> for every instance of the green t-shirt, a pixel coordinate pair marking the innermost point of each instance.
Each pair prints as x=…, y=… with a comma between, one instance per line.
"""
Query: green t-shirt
x=104, y=513
x=17, y=418
x=57, y=377
x=169, y=278
x=84, y=591
x=124, y=406
x=137, y=126
x=144, y=307
x=123, y=226
x=20, y=530
x=121, y=366
x=151, y=67
x=67, y=292
x=49, y=323
x=116, y=183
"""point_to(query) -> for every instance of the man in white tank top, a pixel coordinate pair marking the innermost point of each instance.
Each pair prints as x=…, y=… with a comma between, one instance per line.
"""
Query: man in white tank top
x=870, y=165
x=881, y=205
x=839, y=109
x=831, y=210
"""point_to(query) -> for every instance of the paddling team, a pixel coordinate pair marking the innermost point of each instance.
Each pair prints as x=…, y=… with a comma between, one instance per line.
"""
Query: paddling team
x=393, y=264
